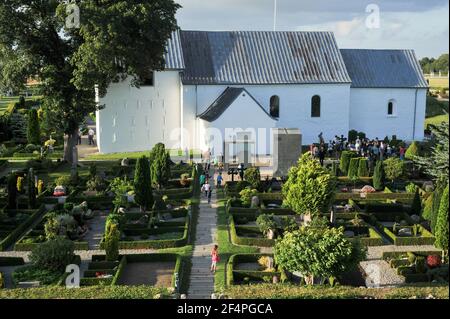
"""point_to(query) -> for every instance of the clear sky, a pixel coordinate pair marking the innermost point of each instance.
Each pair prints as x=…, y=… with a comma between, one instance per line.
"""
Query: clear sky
x=422, y=25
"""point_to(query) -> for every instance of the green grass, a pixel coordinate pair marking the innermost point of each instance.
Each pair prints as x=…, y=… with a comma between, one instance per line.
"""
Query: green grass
x=437, y=83
x=436, y=107
x=5, y=101
x=133, y=155
x=226, y=248
x=436, y=120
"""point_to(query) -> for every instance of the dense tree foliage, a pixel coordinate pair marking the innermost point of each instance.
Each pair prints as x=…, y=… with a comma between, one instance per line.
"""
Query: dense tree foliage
x=113, y=40
x=435, y=65
x=393, y=168
x=33, y=130
x=160, y=165
x=310, y=188
x=317, y=252
x=253, y=176
x=442, y=222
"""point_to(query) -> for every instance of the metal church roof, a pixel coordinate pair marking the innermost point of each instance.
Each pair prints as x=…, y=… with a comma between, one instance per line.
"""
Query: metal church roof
x=261, y=58
x=384, y=68
x=174, y=54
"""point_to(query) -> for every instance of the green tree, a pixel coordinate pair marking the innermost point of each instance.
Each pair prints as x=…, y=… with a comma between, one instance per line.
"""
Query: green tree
x=416, y=207
x=33, y=130
x=412, y=151
x=53, y=255
x=310, y=188
x=437, y=164
x=394, y=168
x=115, y=40
x=378, y=176
x=442, y=223
x=428, y=208
x=318, y=252
x=253, y=176
x=31, y=189
x=363, y=168
x=111, y=241
x=437, y=196
x=143, y=184
x=12, y=191
x=160, y=165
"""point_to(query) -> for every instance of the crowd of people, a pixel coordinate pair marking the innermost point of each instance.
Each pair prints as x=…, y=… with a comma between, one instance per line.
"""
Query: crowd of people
x=371, y=149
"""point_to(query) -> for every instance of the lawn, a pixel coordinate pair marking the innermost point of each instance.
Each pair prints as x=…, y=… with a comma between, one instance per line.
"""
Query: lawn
x=437, y=83
x=436, y=120
x=5, y=101
x=133, y=155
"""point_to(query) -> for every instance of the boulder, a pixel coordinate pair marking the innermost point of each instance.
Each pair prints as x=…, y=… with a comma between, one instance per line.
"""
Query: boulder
x=405, y=232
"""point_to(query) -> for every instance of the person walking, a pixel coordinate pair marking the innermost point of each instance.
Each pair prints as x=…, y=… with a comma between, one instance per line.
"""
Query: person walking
x=214, y=258
x=206, y=188
x=402, y=152
x=79, y=136
x=91, y=134
x=322, y=155
x=209, y=195
x=219, y=180
x=202, y=179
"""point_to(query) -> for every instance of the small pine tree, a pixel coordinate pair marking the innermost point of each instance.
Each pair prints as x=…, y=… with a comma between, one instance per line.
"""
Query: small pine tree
x=160, y=165
x=442, y=223
x=12, y=191
x=378, y=176
x=335, y=169
x=437, y=195
x=427, y=208
x=31, y=189
x=33, y=130
x=416, y=207
x=353, y=168
x=363, y=168
x=143, y=185
x=111, y=241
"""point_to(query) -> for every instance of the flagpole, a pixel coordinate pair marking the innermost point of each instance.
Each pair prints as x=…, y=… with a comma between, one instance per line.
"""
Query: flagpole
x=275, y=16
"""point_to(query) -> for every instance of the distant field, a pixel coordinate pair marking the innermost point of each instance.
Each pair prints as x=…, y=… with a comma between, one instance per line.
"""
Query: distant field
x=438, y=82
x=436, y=120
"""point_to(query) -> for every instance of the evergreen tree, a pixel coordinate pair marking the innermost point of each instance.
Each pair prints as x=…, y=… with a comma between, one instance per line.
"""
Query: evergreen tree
x=353, y=168
x=437, y=196
x=12, y=191
x=416, y=207
x=442, y=223
x=412, y=151
x=344, y=163
x=143, y=185
x=111, y=242
x=378, y=176
x=160, y=166
x=33, y=130
x=363, y=168
x=31, y=189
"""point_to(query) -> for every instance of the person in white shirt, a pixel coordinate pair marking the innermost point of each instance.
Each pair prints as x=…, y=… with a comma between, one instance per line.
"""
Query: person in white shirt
x=91, y=134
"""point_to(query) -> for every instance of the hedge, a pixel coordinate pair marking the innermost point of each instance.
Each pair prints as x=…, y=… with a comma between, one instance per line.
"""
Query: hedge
x=11, y=261
x=397, y=254
x=78, y=245
x=353, y=168
x=374, y=239
x=22, y=228
x=231, y=273
x=426, y=238
x=246, y=241
x=344, y=163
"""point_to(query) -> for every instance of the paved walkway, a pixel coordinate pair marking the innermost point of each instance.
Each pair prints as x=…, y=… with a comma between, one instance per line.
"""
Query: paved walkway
x=202, y=280
x=96, y=230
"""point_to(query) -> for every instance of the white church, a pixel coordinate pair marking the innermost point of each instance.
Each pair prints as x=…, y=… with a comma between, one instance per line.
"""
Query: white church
x=219, y=86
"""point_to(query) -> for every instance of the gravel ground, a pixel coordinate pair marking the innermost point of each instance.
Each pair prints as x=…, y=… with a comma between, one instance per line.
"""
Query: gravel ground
x=376, y=252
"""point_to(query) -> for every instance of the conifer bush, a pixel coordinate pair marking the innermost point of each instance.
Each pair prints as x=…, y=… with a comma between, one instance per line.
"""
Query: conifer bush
x=363, y=168
x=378, y=176
x=441, y=232
x=346, y=156
x=353, y=168
x=33, y=130
x=143, y=185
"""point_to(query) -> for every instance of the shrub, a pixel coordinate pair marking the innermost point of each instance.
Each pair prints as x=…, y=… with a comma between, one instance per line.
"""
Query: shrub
x=394, y=168
x=20, y=184
x=411, y=188
x=111, y=242
x=427, y=208
x=335, y=169
x=53, y=255
x=64, y=180
x=96, y=184
x=247, y=195
x=310, y=188
x=253, y=176
x=266, y=223
x=143, y=185
x=40, y=186
x=33, y=130
x=51, y=228
x=434, y=261
x=437, y=196
x=160, y=165
x=352, y=135
x=442, y=223
x=12, y=191
x=378, y=176
x=344, y=163
x=363, y=168
x=412, y=151
x=341, y=255
x=31, y=189
x=353, y=168
x=416, y=207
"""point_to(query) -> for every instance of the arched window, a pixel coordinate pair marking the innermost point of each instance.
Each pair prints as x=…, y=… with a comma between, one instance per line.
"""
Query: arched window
x=315, y=106
x=275, y=106
x=391, y=108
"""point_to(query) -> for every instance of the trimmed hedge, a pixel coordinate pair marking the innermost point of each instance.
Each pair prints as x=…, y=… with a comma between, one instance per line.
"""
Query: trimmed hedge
x=353, y=168
x=248, y=241
x=78, y=245
x=11, y=261
x=22, y=228
x=344, y=163
x=426, y=238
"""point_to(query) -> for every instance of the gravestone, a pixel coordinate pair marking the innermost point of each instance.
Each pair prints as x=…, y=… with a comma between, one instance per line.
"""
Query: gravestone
x=287, y=149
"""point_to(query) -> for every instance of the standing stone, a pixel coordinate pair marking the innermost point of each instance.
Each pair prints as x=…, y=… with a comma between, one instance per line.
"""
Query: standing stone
x=287, y=149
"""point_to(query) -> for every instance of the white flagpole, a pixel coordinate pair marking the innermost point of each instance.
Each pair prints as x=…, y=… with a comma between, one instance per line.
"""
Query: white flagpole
x=275, y=16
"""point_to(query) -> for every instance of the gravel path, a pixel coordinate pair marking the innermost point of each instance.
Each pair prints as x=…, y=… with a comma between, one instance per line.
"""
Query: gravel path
x=379, y=274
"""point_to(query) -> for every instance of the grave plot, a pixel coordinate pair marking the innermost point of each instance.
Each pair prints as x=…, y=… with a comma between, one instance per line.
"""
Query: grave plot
x=244, y=269
x=419, y=266
x=13, y=223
